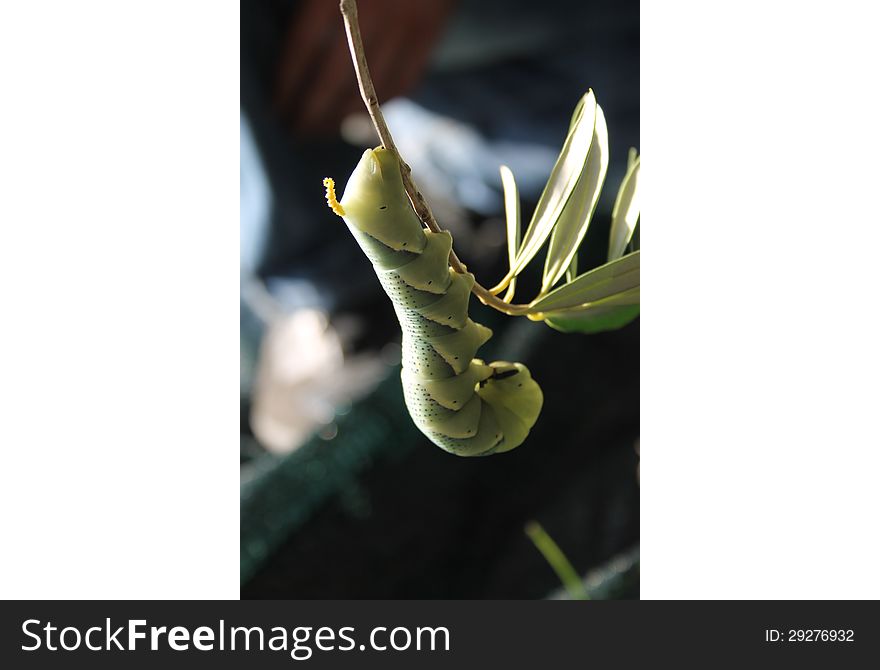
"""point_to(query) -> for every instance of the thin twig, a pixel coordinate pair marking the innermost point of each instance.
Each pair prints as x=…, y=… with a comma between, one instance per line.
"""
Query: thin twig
x=371, y=100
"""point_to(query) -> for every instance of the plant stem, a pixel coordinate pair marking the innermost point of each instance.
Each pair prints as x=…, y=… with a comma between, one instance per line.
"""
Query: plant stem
x=371, y=100
x=557, y=560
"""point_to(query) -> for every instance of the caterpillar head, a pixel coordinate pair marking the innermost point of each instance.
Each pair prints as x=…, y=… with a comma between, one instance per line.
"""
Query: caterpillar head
x=376, y=173
x=376, y=203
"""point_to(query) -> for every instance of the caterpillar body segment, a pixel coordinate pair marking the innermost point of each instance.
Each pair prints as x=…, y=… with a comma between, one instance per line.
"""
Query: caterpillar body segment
x=462, y=404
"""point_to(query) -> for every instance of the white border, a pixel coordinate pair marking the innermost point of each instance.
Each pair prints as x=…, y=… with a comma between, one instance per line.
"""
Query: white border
x=759, y=320
x=118, y=265
x=118, y=262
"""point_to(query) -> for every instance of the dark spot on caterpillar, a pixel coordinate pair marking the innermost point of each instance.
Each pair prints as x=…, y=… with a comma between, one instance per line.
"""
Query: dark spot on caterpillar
x=429, y=283
x=383, y=207
x=403, y=245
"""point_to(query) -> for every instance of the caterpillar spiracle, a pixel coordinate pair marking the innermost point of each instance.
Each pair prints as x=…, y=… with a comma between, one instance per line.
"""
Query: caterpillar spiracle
x=460, y=403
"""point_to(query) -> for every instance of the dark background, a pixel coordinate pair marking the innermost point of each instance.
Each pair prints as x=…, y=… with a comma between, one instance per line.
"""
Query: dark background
x=377, y=511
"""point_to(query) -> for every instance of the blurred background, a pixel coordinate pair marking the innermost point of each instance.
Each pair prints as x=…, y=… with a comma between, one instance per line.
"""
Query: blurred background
x=341, y=496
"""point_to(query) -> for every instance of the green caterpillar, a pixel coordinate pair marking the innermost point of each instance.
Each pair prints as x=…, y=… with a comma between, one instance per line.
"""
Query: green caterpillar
x=460, y=403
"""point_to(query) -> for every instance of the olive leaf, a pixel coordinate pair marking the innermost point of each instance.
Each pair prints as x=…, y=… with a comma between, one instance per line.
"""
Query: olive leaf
x=606, y=297
x=595, y=319
x=625, y=215
x=572, y=271
x=617, y=276
x=562, y=182
x=575, y=217
x=512, y=212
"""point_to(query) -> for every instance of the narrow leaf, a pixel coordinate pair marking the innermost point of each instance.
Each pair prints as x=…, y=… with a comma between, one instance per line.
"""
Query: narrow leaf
x=610, y=313
x=563, y=179
x=625, y=214
x=575, y=217
x=595, y=320
x=572, y=271
x=606, y=280
x=512, y=212
x=628, y=296
x=631, y=157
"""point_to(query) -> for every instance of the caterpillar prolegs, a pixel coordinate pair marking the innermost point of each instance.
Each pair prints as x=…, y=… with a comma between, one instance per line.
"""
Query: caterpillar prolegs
x=463, y=405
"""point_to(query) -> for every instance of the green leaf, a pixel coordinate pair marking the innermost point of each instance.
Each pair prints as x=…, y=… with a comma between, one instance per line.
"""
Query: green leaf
x=562, y=182
x=628, y=296
x=625, y=215
x=631, y=157
x=572, y=271
x=610, y=313
x=594, y=320
x=512, y=211
x=575, y=217
x=614, y=277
